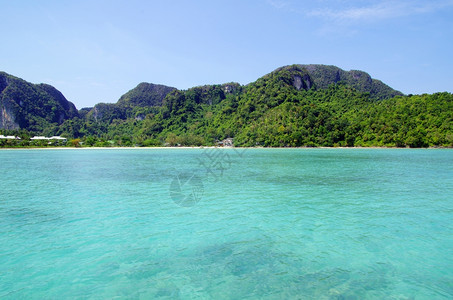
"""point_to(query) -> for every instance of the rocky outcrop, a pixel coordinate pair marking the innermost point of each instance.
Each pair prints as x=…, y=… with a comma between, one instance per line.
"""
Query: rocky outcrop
x=107, y=112
x=321, y=76
x=145, y=95
x=231, y=88
x=7, y=119
x=31, y=106
x=302, y=82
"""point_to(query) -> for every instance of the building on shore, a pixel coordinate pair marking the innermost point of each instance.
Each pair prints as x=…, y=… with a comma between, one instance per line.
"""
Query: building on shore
x=53, y=138
x=9, y=137
x=228, y=142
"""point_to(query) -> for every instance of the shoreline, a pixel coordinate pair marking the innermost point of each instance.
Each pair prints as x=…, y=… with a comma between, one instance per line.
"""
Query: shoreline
x=204, y=147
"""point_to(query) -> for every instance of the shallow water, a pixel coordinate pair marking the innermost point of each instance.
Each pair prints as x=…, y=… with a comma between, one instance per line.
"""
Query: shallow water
x=226, y=224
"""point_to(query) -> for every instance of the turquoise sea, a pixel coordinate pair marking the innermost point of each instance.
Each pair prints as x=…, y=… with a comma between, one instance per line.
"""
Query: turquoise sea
x=226, y=224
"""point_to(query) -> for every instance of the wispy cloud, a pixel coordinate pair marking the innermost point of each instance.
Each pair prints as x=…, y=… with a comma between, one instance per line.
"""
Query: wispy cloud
x=379, y=11
x=344, y=18
x=279, y=4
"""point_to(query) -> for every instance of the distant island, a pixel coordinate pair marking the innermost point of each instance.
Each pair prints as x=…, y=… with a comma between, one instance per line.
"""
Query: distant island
x=293, y=106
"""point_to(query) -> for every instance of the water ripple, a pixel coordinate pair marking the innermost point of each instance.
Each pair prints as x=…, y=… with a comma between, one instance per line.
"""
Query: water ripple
x=278, y=224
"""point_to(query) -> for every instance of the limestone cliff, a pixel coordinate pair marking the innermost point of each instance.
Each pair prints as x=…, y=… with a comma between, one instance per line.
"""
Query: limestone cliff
x=321, y=76
x=34, y=107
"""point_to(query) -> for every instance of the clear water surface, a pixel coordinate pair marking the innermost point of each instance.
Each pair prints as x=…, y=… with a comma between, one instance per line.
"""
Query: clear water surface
x=226, y=224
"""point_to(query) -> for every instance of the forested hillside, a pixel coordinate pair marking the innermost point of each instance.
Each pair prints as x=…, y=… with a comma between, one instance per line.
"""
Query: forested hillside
x=33, y=107
x=298, y=105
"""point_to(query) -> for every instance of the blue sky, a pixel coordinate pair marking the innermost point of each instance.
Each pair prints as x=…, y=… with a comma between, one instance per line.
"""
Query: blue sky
x=94, y=51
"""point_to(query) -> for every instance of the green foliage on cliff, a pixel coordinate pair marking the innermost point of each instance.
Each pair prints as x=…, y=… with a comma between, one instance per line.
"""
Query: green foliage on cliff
x=145, y=94
x=299, y=105
x=35, y=107
x=323, y=76
x=341, y=116
x=142, y=100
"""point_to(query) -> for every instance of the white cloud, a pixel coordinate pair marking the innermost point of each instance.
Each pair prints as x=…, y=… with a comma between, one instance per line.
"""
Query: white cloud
x=279, y=4
x=359, y=13
x=382, y=10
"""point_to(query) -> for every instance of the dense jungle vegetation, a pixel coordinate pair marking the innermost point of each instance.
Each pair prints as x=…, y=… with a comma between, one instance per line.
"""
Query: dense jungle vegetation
x=294, y=106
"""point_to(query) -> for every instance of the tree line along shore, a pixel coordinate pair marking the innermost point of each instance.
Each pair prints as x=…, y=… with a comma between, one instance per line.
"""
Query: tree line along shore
x=293, y=106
